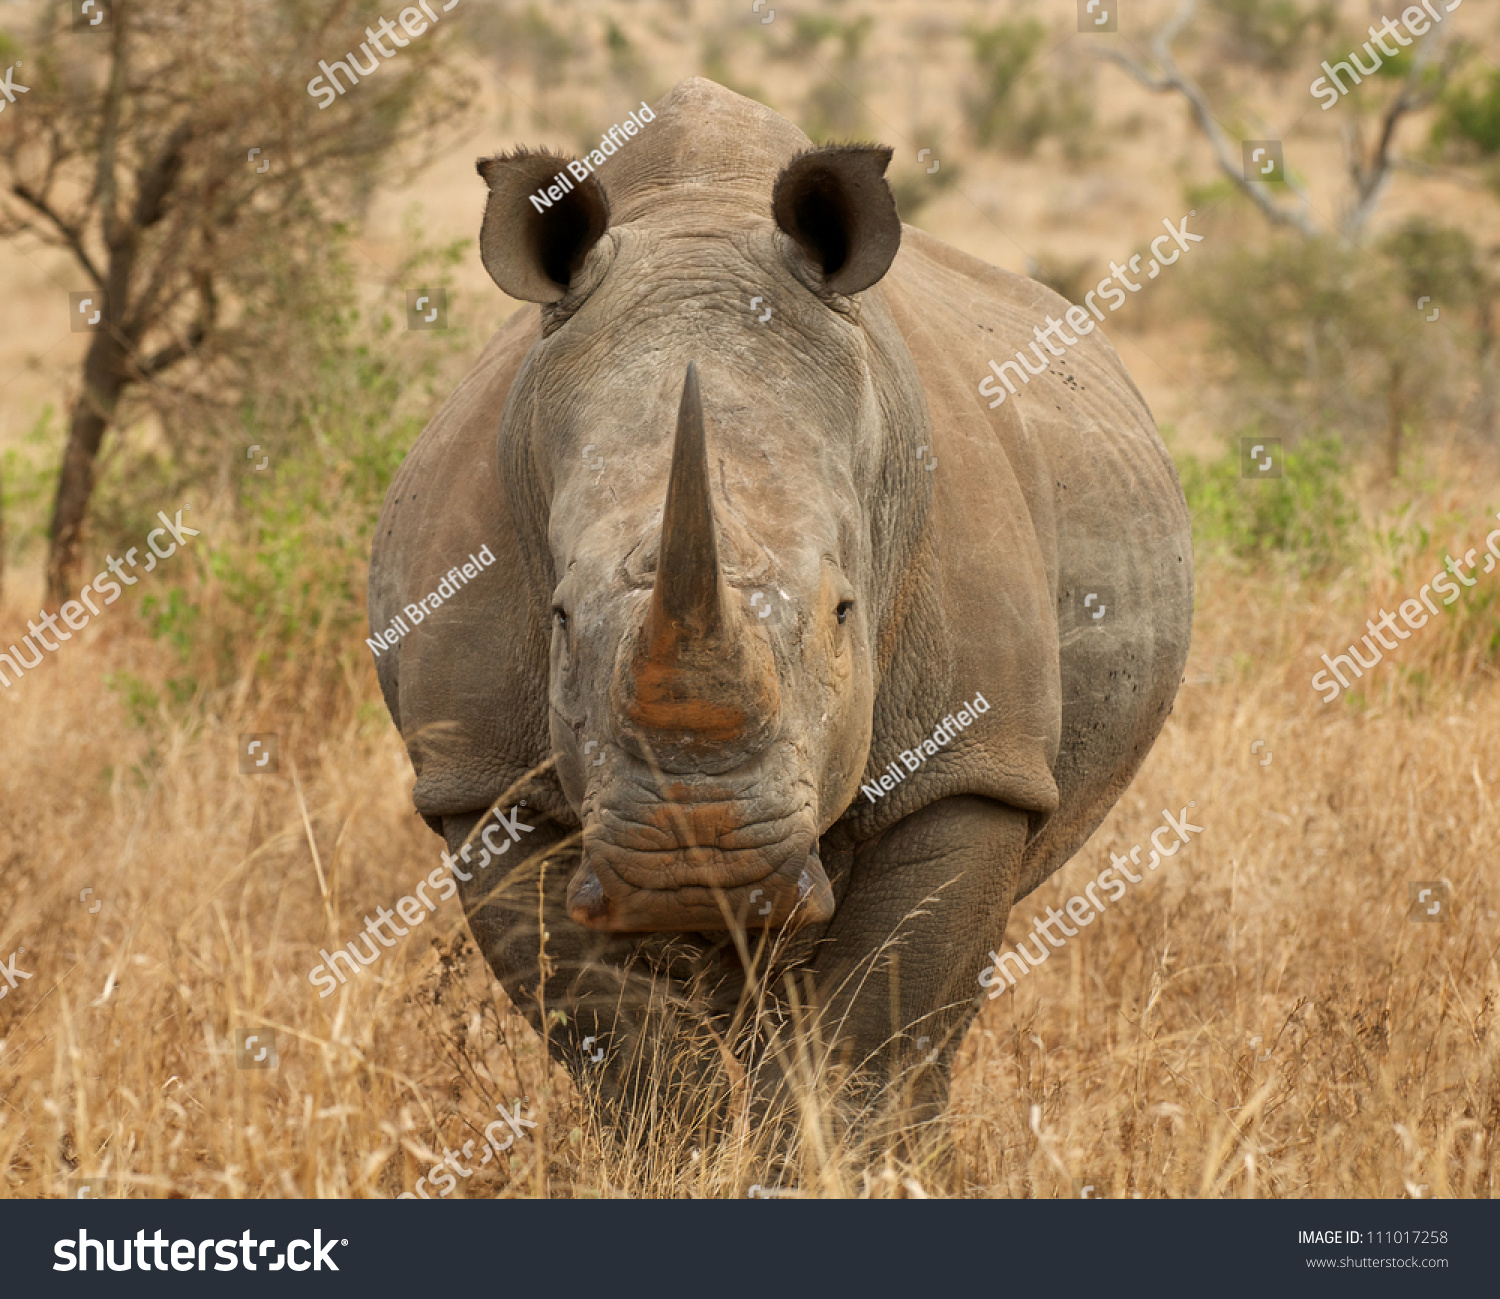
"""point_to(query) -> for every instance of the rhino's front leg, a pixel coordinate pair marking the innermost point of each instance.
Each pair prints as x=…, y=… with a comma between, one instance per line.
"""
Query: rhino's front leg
x=510, y=899
x=897, y=969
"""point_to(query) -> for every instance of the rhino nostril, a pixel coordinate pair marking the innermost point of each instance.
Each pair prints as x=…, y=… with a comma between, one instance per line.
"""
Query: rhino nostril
x=586, y=900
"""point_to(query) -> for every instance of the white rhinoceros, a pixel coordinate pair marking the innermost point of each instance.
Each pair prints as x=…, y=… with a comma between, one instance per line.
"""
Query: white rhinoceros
x=790, y=625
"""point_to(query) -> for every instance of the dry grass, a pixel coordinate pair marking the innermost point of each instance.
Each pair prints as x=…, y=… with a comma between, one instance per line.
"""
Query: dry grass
x=1129, y=1064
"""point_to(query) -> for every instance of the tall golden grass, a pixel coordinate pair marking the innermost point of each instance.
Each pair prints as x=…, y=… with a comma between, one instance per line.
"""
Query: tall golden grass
x=1258, y=1018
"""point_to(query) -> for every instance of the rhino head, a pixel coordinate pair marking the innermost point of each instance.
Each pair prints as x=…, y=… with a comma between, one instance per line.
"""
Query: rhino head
x=697, y=482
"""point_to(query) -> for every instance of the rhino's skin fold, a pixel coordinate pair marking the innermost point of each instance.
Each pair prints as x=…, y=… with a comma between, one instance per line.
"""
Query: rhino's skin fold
x=742, y=562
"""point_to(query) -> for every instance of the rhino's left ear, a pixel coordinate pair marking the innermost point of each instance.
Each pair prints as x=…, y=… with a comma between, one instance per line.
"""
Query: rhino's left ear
x=835, y=203
x=533, y=250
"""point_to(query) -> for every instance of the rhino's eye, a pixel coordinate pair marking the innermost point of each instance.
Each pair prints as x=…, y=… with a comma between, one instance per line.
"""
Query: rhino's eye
x=843, y=609
x=560, y=616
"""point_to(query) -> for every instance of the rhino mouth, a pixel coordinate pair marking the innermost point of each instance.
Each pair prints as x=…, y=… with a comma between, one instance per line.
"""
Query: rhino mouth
x=698, y=864
x=775, y=901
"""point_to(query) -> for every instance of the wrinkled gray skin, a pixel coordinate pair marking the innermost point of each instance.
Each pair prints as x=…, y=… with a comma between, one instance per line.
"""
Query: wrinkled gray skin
x=733, y=745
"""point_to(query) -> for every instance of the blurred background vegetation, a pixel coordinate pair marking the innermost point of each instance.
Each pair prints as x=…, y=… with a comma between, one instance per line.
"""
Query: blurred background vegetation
x=284, y=311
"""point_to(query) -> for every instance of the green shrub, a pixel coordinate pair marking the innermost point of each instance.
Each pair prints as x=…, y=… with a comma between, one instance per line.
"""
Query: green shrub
x=276, y=591
x=1305, y=515
x=1470, y=113
x=1016, y=107
x=1272, y=34
x=1319, y=333
x=28, y=484
x=835, y=106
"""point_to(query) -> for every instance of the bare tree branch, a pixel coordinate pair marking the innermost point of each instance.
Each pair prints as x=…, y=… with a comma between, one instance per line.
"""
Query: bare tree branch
x=72, y=236
x=179, y=349
x=1372, y=180
x=1449, y=175
x=161, y=176
x=172, y=353
x=1170, y=77
x=105, y=182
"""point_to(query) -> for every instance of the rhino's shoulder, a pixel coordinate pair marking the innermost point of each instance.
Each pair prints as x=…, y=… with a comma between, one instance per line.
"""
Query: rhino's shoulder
x=469, y=419
x=954, y=284
x=960, y=317
x=445, y=679
x=923, y=253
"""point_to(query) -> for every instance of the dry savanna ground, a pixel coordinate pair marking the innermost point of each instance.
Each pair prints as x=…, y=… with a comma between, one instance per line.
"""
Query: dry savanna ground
x=1260, y=1017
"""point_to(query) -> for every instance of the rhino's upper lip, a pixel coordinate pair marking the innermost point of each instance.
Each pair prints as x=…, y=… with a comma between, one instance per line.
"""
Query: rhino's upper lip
x=648, y=781
x=666, y=817
x=676, y=842
x=801, y=894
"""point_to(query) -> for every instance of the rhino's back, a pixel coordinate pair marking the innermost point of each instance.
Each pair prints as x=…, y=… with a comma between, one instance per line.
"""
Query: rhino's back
x=1078, y=449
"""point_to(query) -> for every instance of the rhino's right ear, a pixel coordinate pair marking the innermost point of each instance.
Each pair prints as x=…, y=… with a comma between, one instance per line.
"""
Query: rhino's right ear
x=836, y=206
x=532, y=250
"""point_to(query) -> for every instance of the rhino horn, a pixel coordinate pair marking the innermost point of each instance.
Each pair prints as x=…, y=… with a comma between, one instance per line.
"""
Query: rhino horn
x=696, y=672
x=686, y=597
